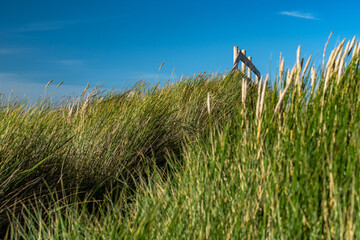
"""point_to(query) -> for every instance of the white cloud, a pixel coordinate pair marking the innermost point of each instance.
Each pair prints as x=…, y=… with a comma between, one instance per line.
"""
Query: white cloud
x=299, y=14
x=9, y=77
x=38, y=27
x=9, y=51
x=46, y=26
x=148, y=76
x=71, y=62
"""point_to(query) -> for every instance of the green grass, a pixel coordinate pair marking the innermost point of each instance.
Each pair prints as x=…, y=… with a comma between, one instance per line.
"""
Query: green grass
x=190, y=160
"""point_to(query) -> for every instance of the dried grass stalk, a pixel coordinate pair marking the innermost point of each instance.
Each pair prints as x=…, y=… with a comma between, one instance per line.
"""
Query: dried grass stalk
x=258, y=99
x=282, y=95
x=208, y=103
x=261, y=106
x=59, y=84
x=327, y=42
x=313, y=78
x=49, y=83
x=243, y=93
x=305, y=68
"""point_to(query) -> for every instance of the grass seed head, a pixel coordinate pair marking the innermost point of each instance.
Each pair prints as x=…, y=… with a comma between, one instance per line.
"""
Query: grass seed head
x=244, y=89
x=351, y=45
x=208, y=103
x=354, y=51
x=326, y=44
x=162, y=64
x=49, y=83
x=258, y=98
x=263, y=95
x=59, y=84
x=340, y=70
x=313, y=78
x=306, y=67
x=86, y=88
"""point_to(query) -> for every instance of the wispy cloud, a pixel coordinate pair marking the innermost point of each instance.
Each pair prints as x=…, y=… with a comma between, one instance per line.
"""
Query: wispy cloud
x=38, y=27
x=155, y=76
x=46, y=26
x=71, y=62
x=299, y=14
x=25, y=85
x=9, y=77
x=10, y=51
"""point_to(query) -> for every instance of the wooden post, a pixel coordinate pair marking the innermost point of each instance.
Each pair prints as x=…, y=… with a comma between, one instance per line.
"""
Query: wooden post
x=244, y=81
x=249, y=70
x=246, y=63
x=242, y=63
x=236, y=52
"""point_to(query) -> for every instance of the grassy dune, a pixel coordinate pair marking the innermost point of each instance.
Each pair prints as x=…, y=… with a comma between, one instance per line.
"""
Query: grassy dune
x=201, y=158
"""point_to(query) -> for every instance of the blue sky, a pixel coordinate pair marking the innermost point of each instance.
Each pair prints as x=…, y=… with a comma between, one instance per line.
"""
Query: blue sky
x=117, y=43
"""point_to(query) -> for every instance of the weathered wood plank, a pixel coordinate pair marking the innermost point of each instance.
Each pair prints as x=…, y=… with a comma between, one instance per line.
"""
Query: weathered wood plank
x=243, y=66
x=247, y=62
x=235, y=53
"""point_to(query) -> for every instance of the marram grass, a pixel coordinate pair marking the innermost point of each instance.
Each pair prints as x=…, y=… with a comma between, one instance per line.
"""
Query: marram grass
x=197, y=159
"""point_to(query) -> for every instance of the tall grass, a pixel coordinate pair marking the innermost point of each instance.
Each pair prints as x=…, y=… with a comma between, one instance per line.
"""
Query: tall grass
x=194, y=159
x=95, y=142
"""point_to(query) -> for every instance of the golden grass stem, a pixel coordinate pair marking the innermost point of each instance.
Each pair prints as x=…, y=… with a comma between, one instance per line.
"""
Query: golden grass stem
x=326, y=44
x=258, y=99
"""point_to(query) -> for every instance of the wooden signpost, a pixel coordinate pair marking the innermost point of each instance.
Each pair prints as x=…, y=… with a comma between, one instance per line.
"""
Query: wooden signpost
x=246, y=62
